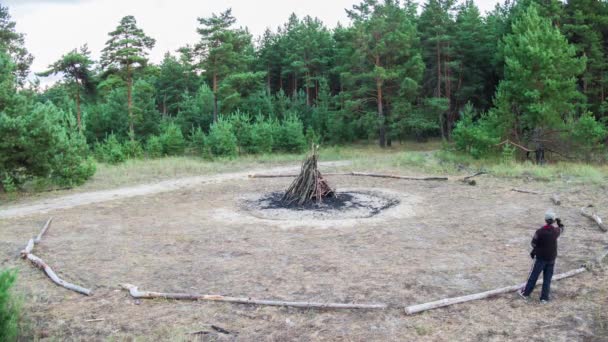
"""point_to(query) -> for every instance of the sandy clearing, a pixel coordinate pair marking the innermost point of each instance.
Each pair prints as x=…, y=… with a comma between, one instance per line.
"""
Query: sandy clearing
x=70, y=201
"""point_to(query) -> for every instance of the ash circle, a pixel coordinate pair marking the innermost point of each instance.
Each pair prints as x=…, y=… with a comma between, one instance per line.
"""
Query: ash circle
x=345, y=205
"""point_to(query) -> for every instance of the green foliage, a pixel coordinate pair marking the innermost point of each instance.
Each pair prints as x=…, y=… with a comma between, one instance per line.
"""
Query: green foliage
x=196, y=111
x=241, y=127
x=154, y=147
x=132, y=149
x=173, y=140
x=9, y=307
x=290, y=136
x=476, y=138
x=221, y=140
x=197, y=140
x=262, y=135
x=110, y=151
x=508, y=154
x=588, y=134
x=145, y=115
x=539, y=88
x=14, y=44
x=38, y=143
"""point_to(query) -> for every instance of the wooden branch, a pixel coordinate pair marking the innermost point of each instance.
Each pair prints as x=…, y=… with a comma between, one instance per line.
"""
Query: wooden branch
x=49, y=272
x=514, y=144
x=526, y=191
x=136, y=293
x=360, y=174
x=272, y=176
x=410, y=310
x=28, y=248
x=594, y=217
x=475, y=175
x=555, y=199
x=47, y=225
x=32, y=242
x=363, y=174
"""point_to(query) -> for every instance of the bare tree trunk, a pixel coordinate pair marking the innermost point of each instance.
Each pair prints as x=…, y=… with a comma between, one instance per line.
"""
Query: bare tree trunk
x=307, y=88
x=215, y=110
x=130, y=102
x=78, y=115
x=382, y=131
x=438, y=91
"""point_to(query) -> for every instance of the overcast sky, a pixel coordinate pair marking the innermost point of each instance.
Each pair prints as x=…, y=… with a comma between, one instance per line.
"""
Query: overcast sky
x=54, y=27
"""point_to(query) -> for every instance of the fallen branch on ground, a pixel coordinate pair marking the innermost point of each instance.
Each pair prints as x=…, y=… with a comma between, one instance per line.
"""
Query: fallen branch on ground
x=49, y=272
x=526, y=191
x=555, y=199
x=475, y=175
x=26, y=253
x=353, y=173
x=410, y=310
x=46, y=227
x=136, y=293
x=594, y=217
x=363, y=174
x=468, y=180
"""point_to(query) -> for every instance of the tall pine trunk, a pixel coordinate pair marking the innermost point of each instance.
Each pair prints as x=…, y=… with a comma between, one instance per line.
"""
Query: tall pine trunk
x=130, y=102
x=78, y=115
x=382, y=130
x=307, y=89
x=215, y=97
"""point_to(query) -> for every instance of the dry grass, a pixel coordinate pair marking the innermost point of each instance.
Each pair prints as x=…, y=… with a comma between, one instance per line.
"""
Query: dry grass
x=461, y=239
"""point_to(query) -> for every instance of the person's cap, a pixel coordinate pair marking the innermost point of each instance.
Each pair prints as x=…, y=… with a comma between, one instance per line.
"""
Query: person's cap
x=550, y=215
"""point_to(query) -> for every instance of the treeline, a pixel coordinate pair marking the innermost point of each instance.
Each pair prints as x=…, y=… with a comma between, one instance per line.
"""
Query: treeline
x=532, y=73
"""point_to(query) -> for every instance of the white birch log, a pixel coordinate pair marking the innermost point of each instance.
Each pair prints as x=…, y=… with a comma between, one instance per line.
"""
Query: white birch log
x=47, y=225
x=136, y=293
x=410, y=310
x=594, y=217
x=54, y=277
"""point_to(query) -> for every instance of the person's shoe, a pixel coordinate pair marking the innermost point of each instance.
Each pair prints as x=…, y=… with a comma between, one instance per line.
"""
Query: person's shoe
x=521, y=294
x=544, y=301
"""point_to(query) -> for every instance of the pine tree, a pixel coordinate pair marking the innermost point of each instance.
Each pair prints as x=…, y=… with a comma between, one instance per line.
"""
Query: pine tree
x=436, y=27
x=14, y=43
x=127, y=49
x=223, y=50
x=586, y=26
x=386, y=47
x=539, y=88
x=76, y=69
x=473, y=55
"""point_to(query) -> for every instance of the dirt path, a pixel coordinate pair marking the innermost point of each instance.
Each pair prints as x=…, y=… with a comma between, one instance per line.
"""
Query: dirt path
x=85, y=198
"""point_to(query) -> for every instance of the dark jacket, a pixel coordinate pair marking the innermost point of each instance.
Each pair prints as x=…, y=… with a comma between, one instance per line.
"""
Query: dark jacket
x=544, y=242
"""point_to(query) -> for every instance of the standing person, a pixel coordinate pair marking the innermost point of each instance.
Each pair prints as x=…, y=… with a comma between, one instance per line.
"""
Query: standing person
x=544, y=250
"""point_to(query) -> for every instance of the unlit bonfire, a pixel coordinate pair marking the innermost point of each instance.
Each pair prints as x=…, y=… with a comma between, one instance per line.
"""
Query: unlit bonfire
x=309, y=186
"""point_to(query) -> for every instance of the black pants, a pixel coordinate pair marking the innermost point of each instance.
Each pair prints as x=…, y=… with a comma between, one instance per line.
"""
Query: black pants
x=546, y=267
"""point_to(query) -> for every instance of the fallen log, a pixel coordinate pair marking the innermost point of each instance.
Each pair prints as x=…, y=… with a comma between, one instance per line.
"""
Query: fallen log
x=413, y=309
x=555, y=199
x=47, y=225
x=136, y=293
x=364, y=174
x=594, y=217
x=526, y=191
x=54, y=277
